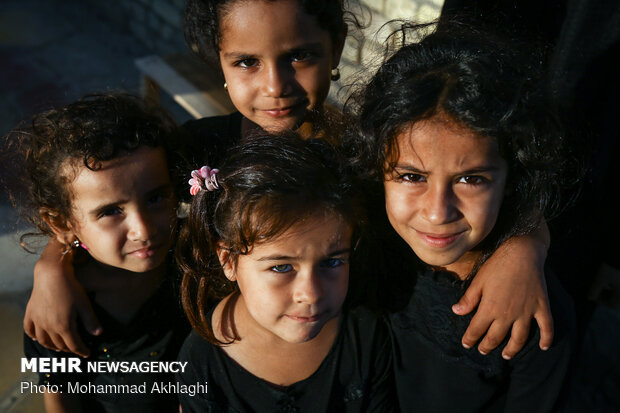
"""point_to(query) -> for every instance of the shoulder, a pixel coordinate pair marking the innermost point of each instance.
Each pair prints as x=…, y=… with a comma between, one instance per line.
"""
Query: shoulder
x=195, y=347
x=365, y=335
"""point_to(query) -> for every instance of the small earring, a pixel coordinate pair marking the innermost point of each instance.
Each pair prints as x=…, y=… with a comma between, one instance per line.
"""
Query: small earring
x=335, y=74
x=225, y=86
x=76, y=243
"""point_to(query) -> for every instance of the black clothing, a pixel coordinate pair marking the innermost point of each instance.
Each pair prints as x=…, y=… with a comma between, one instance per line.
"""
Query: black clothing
x=435, y=373
x=210, y=138
x=355, y=376
x=156, y=333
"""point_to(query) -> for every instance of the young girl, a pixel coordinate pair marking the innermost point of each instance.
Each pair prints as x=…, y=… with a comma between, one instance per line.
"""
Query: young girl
x=469, y=157
x=271, y=234
x=97, y=180
x=278, y=58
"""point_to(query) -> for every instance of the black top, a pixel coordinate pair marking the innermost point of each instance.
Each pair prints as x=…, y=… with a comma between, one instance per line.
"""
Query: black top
x=355, y=376
x=156, y=333
x=210, y=138
x=434, y=373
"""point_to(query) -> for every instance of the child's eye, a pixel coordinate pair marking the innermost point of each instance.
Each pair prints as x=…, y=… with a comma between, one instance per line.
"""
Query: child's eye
x=332, y=262
x=246, y=63
x=300, y=56
x=472, y=180
x=111, y=211
x=412, y=178
x=282, y=268
x=155, y=199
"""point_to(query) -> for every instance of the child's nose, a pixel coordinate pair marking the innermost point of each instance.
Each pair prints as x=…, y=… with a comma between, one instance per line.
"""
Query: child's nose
x=141, y=227
x=439, y=205
x=276, y=80
x=308, y=287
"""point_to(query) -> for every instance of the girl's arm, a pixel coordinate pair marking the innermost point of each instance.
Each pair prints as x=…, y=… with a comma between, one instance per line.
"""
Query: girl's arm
x=510, y=289
x=56, y=303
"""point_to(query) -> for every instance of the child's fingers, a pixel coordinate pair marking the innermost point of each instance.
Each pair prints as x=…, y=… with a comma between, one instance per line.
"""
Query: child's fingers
x=545, y=324
x=476, y=329
x=494, y=336
x=518, y=338
x=44, y=339
x=29, y=328
x=469, y=301
x=59, y=342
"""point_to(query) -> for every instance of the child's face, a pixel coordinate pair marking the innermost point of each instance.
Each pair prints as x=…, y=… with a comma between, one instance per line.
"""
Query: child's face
x=124, y=213
x=444, y=196
x=277, y=62
x=295, y=284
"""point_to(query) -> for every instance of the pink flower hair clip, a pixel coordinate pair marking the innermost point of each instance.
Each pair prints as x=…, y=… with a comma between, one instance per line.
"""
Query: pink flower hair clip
x=203, y=178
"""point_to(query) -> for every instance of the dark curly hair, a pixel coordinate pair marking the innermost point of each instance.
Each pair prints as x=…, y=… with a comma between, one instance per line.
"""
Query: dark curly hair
x=94, y=129
x=202, y=21
x=266, y=185
x=485, y=84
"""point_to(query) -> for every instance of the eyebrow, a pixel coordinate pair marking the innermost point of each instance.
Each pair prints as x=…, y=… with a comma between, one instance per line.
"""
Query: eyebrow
x=476, y=170
x=291, y=258
x=99, y=209
x=242, y=55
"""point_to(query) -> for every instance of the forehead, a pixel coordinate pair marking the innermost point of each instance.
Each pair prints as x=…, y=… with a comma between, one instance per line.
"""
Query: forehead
x=439, y=140
x=137, y=172
x=258, y=24
x=319, y=233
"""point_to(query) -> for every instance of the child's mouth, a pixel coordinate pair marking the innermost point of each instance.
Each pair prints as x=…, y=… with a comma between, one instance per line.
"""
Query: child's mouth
x=144, y=252
x=439, y=240
x=302, y=319
x=281, y=111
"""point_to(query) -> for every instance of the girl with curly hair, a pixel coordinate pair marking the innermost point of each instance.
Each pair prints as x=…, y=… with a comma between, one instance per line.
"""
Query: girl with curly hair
x=469, y=156
x=95, y=177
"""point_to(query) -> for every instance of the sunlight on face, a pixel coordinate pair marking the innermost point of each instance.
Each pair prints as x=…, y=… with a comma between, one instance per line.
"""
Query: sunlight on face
x=294, y=284
x=445, y=193
x=277, y=62
x=124, y=213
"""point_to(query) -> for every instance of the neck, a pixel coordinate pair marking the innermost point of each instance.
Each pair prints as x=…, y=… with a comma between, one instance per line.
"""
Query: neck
x=462, y=267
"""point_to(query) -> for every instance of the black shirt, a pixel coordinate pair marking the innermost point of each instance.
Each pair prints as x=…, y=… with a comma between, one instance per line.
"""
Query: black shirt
x=435, y=373
x=354, y=377
x=210, y=138
x=156, y=333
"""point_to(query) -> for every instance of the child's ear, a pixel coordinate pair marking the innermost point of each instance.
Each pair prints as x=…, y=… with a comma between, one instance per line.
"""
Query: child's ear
x=59, y=225
x=223, y=254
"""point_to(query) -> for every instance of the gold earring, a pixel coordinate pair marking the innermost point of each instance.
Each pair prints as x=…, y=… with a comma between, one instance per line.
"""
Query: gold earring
x=335, y=74
x=225, y=86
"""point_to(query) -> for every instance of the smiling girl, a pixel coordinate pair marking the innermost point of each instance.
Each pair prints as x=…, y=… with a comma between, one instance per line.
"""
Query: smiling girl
x=270, y=235
x=469, y=157
x=278, y=58
x=97, y=180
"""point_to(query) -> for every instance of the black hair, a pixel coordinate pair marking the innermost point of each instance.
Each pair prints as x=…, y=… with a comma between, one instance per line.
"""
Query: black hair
x=485, y=84
x=94, y=129
x=266, y=185
x=203, y=17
